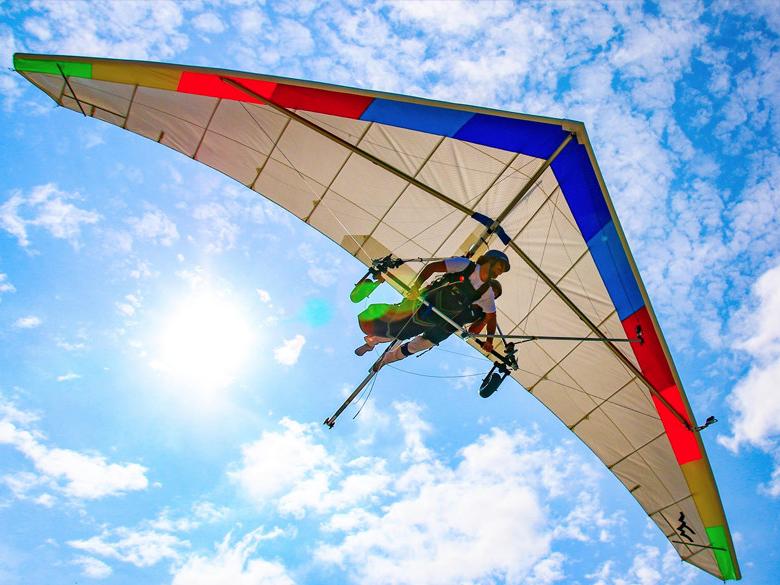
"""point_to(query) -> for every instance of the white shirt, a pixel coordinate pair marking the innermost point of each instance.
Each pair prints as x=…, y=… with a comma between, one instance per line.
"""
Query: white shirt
x=487, y=302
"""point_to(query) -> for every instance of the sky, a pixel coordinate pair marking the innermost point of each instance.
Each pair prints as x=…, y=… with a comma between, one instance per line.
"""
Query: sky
x=170, y=342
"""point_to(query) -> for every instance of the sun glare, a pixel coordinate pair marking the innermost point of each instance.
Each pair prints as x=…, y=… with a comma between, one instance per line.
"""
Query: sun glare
x=205, y=342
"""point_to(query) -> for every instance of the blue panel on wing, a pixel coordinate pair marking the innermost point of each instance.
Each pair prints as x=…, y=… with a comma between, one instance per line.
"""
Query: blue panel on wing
x=612, y=263
x=430, y=119
x=530, y=138
x=578, y=182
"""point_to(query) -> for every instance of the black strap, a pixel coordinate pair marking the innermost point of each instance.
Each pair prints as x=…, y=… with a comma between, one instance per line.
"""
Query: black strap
x=483, y=289
x=466, y=272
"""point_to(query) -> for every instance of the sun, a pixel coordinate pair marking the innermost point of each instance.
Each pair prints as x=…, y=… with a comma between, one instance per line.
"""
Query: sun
x=205, y=342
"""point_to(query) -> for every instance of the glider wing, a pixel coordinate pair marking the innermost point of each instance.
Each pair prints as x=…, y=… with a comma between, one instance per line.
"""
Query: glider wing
x=380, y=173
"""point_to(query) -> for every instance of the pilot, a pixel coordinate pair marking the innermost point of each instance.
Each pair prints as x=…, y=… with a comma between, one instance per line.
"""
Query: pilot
x=466, y=293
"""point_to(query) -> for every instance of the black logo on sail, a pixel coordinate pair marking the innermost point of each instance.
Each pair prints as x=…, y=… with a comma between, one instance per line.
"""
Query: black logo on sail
x=683, y=529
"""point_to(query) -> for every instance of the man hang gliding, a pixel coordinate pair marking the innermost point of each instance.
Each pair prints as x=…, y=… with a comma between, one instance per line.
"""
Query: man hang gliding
x=465, y=293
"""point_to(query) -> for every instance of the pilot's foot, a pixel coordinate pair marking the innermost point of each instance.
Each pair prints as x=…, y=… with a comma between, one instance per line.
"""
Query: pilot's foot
x=363, y=349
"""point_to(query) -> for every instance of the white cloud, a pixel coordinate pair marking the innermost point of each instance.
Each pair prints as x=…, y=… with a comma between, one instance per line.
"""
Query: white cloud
x=208, y=512
x=756, y=407
x=754, y=401
x=10, y=86
x=86, y=476
x=209, y=23
x=68, y=377
x=601, y=574
x=48, y=208
x=279, y=461
x=449, y=532
x=297, y=37
x=76, y=475
x=196, y=278
x=772, y=489
x=45, y=500
x=93, y=568
x=251, y=21
x=218, y=227
x=548, y=570
x=650, y=567
x=142, y=270
x=424, y=523
x=68, y=346
x=366, y=480
x=119, y=29
x=654, y=53
x=5, y=286
x=292, y=471
x=130, y=305
x=756, y=218
x=126, y=309
x=116, y=241
x=156, y=540
x=467, y=377
x=414, y=428
x=448, y=16
x=751, y=107
x=234, y=563
x=373, y=422
x=323, y=275
x=164, y=522
x=92, y=139
x=23, y=482
x=126, y=173
x=487, y=519
x=28, y=322
x=154, y=225
x=142, y=548
x=290, y=350
x=322, y=270
x=201, y=513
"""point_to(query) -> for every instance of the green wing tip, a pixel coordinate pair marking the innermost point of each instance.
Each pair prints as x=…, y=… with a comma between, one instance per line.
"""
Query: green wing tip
x=717, y=536
x=51, y=66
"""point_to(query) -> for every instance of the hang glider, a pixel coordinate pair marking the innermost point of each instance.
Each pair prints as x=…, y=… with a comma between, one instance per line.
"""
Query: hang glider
x=383, y=174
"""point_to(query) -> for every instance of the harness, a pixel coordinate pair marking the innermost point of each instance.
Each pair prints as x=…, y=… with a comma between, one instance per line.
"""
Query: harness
x=454, y=295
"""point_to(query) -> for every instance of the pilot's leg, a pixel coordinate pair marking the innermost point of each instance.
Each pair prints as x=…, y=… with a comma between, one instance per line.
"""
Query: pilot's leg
x=414, y=345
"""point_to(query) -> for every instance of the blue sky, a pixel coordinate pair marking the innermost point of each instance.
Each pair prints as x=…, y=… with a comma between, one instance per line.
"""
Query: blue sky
x=120, y=463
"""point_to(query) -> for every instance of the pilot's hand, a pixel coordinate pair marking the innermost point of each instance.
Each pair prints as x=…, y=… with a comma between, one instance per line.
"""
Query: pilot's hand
x=487, y=345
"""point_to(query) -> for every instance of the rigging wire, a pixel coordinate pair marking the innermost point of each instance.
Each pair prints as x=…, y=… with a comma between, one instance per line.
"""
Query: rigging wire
x=434, y=376
x=474, y=357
